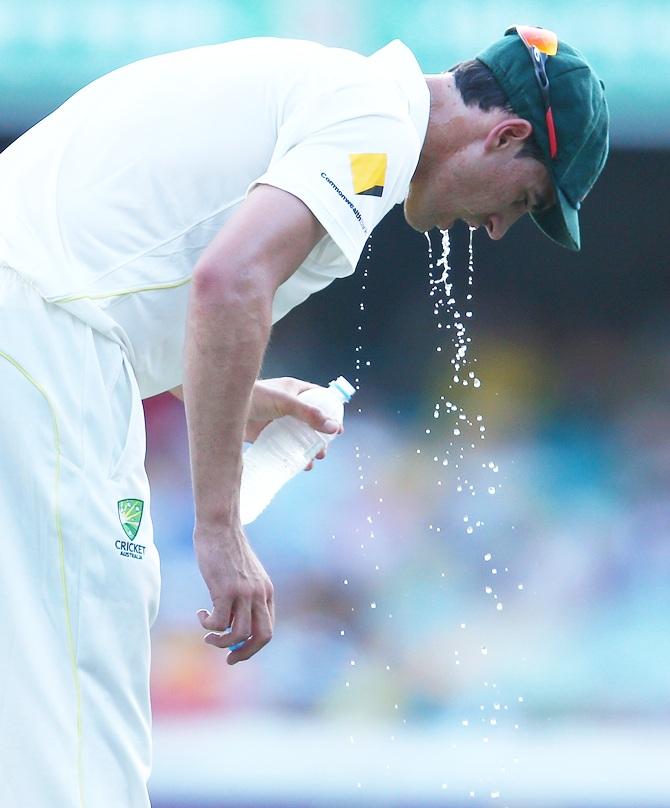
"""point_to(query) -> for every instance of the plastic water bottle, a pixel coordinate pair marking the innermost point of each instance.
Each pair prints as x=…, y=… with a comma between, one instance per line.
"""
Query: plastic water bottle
x=285, y=447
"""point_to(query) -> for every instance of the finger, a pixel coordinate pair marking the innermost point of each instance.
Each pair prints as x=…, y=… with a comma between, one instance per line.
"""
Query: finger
x=224, y=639
x=271, y=607
x=218, y=619
x=261, y=635
x=321, y=455
x=291, y=405
x=240, y=628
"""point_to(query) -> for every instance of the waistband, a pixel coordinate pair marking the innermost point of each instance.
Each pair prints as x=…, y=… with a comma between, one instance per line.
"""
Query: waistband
x=84, y=310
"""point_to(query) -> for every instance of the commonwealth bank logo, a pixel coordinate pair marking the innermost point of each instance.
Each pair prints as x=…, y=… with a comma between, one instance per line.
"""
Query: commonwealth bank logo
x=130, y=516
x=368, y=172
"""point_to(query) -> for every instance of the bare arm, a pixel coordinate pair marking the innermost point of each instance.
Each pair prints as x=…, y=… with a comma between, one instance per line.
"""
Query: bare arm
x=227, y=331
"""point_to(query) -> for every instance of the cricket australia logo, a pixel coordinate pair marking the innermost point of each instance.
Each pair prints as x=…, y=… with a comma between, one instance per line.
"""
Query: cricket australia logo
x=130, y=516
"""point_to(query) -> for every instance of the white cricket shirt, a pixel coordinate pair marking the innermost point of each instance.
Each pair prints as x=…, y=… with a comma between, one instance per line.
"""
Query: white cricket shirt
x=107, y=203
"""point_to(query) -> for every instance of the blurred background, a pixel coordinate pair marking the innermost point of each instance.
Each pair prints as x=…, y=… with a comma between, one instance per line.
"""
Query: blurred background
x=472, y=590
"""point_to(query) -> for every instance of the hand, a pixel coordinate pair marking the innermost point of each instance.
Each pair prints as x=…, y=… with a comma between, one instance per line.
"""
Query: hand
x=241, y=592
x=273, y=398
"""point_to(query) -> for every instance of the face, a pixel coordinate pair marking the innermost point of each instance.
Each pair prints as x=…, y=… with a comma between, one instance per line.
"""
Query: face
x=485, y=187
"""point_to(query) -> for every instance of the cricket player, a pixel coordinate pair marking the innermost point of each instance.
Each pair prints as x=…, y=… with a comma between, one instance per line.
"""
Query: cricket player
x=151, y=231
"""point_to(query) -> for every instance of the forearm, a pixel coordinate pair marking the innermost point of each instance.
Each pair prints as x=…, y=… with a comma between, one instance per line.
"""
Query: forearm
x=227, y=332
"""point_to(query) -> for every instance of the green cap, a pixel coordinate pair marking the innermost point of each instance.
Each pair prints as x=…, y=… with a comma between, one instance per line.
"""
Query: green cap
x=581, y=119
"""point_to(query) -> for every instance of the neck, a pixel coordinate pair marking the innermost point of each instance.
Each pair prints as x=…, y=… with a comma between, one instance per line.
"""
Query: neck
x=451, y=125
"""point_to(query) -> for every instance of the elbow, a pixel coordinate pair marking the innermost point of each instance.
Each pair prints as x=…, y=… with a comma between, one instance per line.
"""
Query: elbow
x=211, y=281
x=238, y=286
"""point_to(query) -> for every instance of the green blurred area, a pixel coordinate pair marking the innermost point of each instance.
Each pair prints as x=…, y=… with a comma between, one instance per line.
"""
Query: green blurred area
x=50, y=49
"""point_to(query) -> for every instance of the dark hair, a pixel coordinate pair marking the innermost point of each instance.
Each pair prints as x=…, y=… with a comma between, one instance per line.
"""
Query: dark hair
x=477, y=85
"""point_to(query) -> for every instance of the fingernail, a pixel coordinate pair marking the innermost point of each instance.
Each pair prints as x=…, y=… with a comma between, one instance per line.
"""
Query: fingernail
x=331, y=425
x=236, y=647
x=202, y=613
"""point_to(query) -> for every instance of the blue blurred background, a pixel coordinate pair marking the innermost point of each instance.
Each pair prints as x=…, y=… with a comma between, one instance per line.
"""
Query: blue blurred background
x=493, y=630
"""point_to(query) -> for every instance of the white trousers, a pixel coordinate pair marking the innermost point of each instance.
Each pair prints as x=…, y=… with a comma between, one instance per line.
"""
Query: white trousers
x=79, y=575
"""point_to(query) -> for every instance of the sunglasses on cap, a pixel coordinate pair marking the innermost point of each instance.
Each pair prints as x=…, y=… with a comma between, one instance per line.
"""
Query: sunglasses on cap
x=540, y=43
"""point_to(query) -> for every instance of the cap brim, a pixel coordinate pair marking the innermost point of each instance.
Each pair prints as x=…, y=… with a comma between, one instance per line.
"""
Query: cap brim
x=560, y=223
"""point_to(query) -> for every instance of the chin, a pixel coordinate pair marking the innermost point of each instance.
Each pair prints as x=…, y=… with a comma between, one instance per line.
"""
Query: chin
x=417, y=222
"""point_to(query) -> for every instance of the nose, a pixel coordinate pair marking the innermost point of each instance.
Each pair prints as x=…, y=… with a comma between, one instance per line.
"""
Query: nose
x=499, y=224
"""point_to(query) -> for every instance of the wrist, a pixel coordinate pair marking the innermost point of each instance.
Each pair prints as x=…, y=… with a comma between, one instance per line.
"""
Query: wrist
x=219, y=526
x=217, y=507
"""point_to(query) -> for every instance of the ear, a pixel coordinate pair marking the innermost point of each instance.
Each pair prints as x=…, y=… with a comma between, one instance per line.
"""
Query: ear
x=510, y=132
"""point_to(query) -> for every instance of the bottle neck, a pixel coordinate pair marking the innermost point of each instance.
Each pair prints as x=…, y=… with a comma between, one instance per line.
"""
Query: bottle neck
x=340, y=392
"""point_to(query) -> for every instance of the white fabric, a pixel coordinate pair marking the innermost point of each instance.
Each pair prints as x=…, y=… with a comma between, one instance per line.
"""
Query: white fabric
x=108, y=202
x=77, y=597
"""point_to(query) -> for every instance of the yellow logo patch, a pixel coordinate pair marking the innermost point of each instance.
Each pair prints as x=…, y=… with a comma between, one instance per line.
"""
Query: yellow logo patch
x=368, y=172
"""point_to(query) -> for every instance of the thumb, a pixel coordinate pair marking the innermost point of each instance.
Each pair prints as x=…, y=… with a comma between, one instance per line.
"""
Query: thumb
x=211, y=621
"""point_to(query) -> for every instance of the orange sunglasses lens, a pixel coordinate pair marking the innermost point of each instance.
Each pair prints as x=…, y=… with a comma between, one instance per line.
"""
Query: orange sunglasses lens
x=544, y=40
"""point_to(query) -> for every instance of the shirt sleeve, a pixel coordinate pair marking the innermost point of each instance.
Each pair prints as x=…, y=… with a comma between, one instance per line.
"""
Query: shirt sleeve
x=349, y=173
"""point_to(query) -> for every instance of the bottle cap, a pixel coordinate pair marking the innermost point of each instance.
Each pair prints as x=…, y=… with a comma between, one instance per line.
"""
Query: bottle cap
x=343, y=387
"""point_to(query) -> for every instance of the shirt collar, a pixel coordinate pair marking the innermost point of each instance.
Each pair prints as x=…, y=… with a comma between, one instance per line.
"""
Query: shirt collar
x=398, y=61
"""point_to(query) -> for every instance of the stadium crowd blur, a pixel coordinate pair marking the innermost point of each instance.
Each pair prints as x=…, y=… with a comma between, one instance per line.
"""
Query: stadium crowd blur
x=543, y=581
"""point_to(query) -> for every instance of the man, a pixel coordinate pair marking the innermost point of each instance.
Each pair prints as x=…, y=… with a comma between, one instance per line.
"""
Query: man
x=151, y=230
